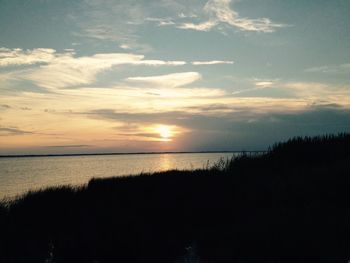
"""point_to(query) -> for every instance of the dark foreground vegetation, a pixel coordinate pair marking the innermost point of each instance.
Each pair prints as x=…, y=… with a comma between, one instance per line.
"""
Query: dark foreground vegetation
x=291, y=204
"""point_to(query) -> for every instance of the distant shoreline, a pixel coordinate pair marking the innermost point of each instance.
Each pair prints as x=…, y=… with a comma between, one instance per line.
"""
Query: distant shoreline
x=131, y=153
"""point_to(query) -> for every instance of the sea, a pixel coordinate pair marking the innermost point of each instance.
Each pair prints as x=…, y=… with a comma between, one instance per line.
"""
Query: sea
x=19, y=175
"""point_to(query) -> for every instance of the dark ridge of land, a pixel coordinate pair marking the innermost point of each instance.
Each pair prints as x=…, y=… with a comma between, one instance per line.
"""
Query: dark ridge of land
x=290, y=204
x=131, y=153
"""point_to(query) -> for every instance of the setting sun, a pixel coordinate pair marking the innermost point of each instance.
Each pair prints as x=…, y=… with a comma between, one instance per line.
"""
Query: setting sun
x=164, y=131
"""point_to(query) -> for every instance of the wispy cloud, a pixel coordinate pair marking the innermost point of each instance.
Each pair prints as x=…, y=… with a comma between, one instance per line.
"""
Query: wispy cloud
x=169, y=80
x=211, y=62
x=187, y=15
x=17, y=56
x=312, y=93
x=53, y=70
x=315, y=91
x=125, y=46
x=60, y=70
x=5, y=106
x=343, y=68
x=264, y=83
x=254, y=84
x=161, y=21
x=220, y=11
x=69, y=146
x=6, y=131
x=108, y=20
x=205, y=26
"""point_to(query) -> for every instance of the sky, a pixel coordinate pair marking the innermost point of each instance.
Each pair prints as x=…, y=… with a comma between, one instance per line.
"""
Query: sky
x=91, y=76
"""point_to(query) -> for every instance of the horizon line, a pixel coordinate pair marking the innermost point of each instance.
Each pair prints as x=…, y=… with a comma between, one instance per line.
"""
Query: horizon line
x=127, y=153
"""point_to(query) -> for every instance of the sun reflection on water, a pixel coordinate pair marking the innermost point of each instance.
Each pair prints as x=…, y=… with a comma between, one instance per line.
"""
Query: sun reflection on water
x=165, y=162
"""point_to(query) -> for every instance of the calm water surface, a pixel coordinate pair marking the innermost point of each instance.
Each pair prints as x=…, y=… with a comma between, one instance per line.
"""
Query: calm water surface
x=18, y=175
